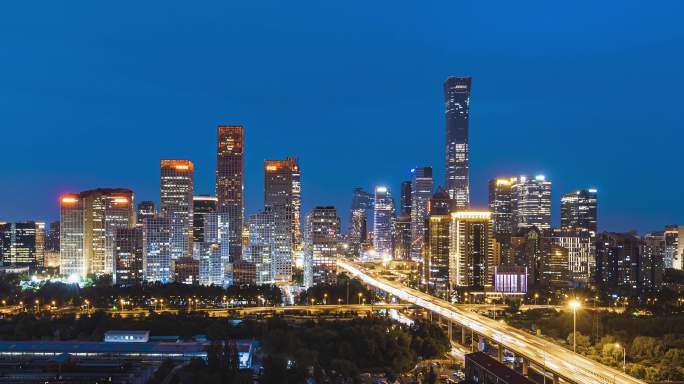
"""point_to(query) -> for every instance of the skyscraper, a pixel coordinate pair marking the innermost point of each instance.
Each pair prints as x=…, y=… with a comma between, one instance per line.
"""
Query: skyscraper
x=678, y=259
x=146, y=209
x=201, y=206
x=471, y=262
x=578, y=211
x=230, y=182
x=157, y=263
x=531, y=202
x=361, y=212
x=320, y=257
x=260, y=248
x=500, y=205
x=214, y=267
x=175, y=203
x=382, y=222
x=618, y=261
x=282, y=195
x=52, y=237
x=405, y=200
x=421, y=192
x=436, y=262
x=457, y=107
x=671, y=245
x=128, y=256
x=402, y=237
x=88, y=222
x=652, y=261
x=22, y=244
x=580, y=246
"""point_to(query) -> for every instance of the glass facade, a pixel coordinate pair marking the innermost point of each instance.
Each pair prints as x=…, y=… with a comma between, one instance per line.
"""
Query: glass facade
x=421, y=192
x=578, y=211
x=320, y=251
x=157, y=265
x=457, y=110
x=176, y=203
x=382, y=222
x=128, y=256
x=230, y=182
x=531, y=202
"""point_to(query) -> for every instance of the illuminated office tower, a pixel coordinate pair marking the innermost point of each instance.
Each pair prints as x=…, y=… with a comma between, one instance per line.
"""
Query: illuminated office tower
x=555, y=274
x=22, y=244
x=128, y=256
x=405, y=199
x=578, y=211
x=471, y=261
x=230, y=182
x=421, y=192
x=457, y=107
x=88, y=222
x=72, y=260
x=531, y=202
x=146, y=209
x=361, y=213
x=282, y=195
x=201, y=206
x=322, y=230
x=652, y=261
x=382, y=222
x=175, y=203
x=437, y=240
x=501, y=206
x=671, y=244
x=402, y=237
x=157, y=263
x=580, y=246
x=214, y=256
x=258, y=252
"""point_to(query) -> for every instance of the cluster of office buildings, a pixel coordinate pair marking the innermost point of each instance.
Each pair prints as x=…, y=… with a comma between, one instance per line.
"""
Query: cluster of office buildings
x=510, y=246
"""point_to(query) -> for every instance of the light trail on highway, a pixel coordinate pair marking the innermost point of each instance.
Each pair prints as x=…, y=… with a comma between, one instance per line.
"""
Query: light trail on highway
x=566, y=364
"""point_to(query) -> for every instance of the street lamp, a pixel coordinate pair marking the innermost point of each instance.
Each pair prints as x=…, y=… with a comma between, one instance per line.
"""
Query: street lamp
x=360, y=296
x=536, y=296
x=325, y=298
x=624, y=357
x=575, y=305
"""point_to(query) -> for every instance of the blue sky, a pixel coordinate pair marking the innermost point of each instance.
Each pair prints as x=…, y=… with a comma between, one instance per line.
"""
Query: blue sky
x=93, y=94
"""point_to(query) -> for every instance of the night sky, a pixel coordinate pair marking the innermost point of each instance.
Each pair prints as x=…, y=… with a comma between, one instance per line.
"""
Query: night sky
x=589, y=93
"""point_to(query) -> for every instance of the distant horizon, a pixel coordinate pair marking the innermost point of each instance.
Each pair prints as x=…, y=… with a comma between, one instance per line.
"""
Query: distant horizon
x=357, y=97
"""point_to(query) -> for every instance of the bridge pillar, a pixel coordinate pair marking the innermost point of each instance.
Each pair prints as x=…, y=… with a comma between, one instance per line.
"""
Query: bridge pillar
x=525, y=366
x=450, y=332
x=463, y=335
x=500, y=354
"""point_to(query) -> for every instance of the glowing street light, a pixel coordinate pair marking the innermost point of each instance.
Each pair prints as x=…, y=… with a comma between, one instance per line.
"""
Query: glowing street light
x=575, y=305
x=360, y=296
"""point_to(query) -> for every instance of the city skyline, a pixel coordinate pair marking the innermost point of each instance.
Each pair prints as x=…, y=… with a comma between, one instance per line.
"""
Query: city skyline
x=499, y=92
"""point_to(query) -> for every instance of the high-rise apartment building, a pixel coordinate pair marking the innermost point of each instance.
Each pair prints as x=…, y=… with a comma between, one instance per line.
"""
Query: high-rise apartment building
x=176, y=204
x=201, y=206
x=157, y=261
x=531, y=202
x=421, y=192
x=580, y=247
x=382, y=222
x=22, y=244
x=618, y=261
x=501, y=206
x=652, y=261
x=578, y=211
x=457, y=109
x=282, y=195
x=320, y=257
x=88, y=222
x=146, y=209
x=471, y=256
x=128, y=256
x=230, y=184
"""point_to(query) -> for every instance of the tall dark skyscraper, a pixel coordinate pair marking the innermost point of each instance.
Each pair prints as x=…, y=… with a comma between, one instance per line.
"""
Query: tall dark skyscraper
x=405, y=199
x=578, y=210
x=457, y=107
x=202, y=206
x=361, y=209
x=230, y=182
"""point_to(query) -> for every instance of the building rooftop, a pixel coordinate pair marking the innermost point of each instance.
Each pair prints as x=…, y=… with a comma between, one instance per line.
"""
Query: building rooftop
x=497, y=369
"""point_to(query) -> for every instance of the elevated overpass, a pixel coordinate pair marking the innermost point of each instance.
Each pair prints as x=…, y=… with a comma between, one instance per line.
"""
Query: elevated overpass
x=548, y=358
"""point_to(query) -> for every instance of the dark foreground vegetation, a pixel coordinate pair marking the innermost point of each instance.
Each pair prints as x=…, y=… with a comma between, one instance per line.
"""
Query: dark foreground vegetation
x=331, y=351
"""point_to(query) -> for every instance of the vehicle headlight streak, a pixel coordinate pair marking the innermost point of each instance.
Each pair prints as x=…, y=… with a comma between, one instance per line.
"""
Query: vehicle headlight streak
x=572, y=367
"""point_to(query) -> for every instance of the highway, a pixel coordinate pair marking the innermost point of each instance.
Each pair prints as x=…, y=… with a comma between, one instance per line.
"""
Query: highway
x=567, y=365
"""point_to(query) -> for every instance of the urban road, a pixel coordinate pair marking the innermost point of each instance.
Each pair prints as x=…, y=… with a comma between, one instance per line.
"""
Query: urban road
x=550, y=358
